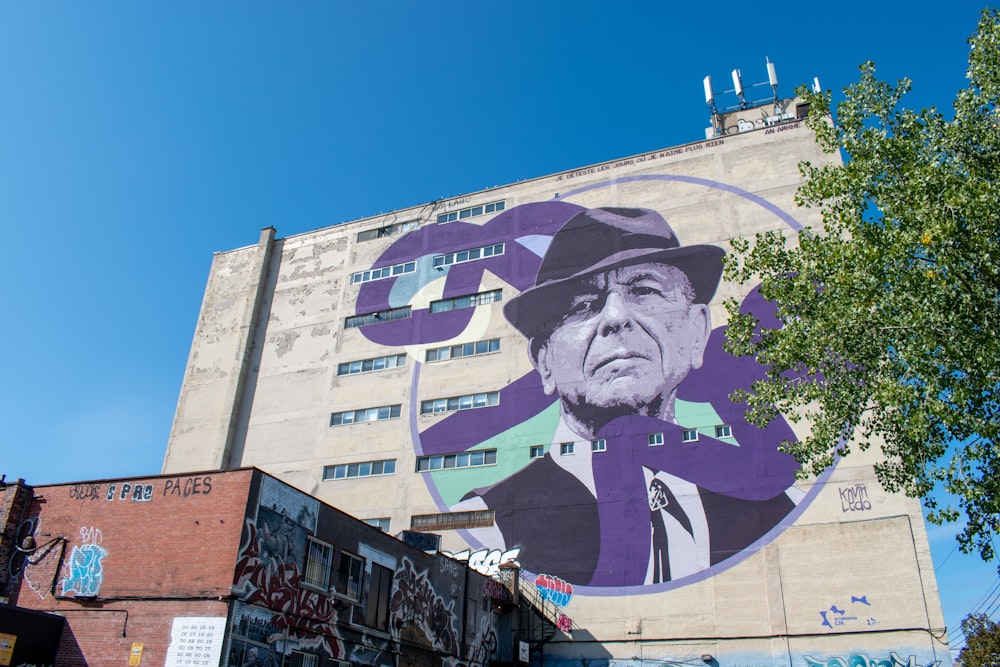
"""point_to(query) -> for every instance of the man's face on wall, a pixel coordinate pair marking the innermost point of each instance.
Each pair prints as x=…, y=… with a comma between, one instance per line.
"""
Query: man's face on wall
x=626, y=341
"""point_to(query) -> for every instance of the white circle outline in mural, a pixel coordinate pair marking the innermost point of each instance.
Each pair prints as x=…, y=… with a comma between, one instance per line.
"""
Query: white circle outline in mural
x=646, y=589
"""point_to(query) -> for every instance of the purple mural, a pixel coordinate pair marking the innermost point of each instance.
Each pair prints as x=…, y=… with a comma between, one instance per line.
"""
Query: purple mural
x=665, y=481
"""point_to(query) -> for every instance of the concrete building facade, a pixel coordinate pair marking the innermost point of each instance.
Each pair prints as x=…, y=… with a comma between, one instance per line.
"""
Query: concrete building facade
x=237, y=569
x=536, y=372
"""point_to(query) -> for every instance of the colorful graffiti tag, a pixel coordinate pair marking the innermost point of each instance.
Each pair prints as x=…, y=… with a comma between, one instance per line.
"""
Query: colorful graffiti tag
x=85, y=566
x=627, y=368
x=554, y=589
x=862, y=660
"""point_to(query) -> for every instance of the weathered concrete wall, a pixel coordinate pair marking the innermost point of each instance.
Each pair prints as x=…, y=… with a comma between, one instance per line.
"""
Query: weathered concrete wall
x=758, y=568
x=221, y=359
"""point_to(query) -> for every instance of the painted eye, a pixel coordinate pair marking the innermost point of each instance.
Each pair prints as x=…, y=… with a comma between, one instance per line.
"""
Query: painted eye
x=645, y=290
x=582, y=307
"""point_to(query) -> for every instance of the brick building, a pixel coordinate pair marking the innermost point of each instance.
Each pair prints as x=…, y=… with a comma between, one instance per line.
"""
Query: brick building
x=237, y=569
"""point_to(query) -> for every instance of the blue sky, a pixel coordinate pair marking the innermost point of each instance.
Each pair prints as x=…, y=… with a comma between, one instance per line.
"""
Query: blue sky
x=137, y=138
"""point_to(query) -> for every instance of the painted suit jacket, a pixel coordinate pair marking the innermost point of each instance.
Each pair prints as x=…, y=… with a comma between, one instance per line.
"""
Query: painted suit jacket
x=563, y=530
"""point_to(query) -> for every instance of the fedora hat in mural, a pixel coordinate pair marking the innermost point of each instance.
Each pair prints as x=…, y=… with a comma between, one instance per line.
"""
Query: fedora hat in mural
x=602, y=239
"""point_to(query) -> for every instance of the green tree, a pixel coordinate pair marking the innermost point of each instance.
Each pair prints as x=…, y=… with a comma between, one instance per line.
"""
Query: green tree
x=982, y=642
x=891, y=311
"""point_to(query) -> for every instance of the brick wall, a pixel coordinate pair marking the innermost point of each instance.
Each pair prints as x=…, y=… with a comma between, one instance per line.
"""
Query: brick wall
x=121, y=558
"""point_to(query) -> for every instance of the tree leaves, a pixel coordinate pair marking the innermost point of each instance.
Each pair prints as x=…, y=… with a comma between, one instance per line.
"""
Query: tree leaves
x=982, y=642
x=891, y=310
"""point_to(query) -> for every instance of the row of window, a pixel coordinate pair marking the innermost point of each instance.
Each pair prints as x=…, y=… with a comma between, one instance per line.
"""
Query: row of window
x=567, y=448
x=471, y=212
x=343, y=576
x=443, y=305
x=490, y=399
x=466, y=301
x=473, y=459
x=384, y=272
x=484, y=457
x=386, y=315
x=434, y=355
x=373, y=364
x=364, y=415
x=388, y=230
x=463, y=350
x=467, y=402
x=362, y=469
x=470, y=255
x=346, y=577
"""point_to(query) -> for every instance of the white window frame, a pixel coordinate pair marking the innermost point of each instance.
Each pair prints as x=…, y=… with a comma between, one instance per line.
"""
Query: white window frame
x=358, y=469
x=723, y=431
x=655, y=439
x=311, y=564
x=536, y=452
x=599, y=445
x=567, y=448
x=475, y=458
x=689, y=435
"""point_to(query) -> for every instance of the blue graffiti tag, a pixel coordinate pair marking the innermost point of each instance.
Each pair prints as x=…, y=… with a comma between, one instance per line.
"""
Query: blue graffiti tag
x=862, y=660
x=85, y=570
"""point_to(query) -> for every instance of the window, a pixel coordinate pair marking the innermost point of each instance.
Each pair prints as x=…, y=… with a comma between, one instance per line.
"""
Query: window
x=348, y=575
x=655, y=439
x=319, y=558
x=467, y=402
x=362, y=469
x=598, y=445
x=689, y=435
x=370, y=365
x=463, y=350
x=567, y=448
x=452, y=520
x=386, y=315
x=364, y=415
x=300, y=659
x=377, y=605
x=384, y=272
x=723, y=431
x=473, y=459
x=466, y=301
x=470, y=255
x=471, y=212
x=388, y=230
x=536, y=451
x=381, y=523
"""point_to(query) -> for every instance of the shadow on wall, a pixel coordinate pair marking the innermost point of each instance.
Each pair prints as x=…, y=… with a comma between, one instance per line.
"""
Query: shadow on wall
x=70, y=654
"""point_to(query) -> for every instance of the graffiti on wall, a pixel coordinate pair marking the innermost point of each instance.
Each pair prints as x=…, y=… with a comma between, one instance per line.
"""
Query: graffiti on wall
x=418, y=613
x=554, y=589
x=614, y=309
x=486, y=561
x=484, y=648
x=85, y=565
x=863, y=660
x=854, y=498
x=268, y=572
x=40, y=567
x=858, y=611
x=85, y=491
x=142, y=493
x=855, y=659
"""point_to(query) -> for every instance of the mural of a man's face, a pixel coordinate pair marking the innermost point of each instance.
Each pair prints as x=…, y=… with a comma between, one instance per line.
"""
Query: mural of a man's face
x=627, y=339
